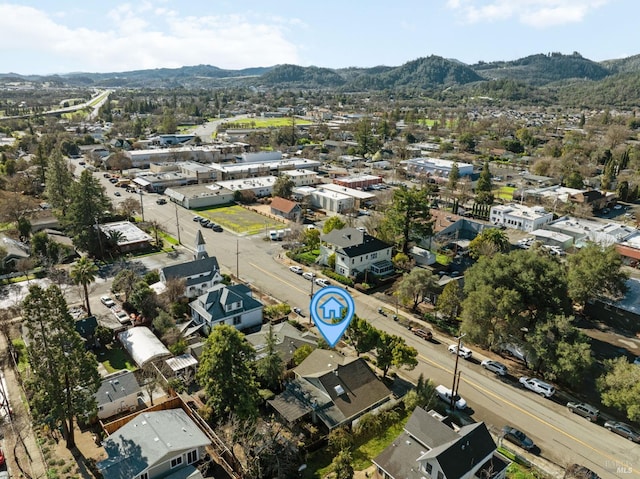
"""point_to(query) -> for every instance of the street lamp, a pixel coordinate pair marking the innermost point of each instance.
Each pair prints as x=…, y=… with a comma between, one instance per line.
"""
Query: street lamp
x=456, y=379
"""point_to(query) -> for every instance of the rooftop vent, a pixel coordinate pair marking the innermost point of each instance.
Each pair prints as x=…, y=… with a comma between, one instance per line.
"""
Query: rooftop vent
x=339, y=389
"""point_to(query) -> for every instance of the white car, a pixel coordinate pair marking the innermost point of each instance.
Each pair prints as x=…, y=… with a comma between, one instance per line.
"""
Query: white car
x=322, y=282
x=538, y=386
x=444, y=393
x=464, y=352
x=308, y=275
x=107, y=301
x=296, y=269
x=121, y=316
x=495, y=367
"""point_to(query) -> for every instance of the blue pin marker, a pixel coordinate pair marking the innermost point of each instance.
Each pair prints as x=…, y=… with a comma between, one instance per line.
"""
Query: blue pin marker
x=332, y=309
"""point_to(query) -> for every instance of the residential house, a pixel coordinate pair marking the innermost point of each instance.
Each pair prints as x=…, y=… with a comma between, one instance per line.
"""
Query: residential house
x=15, y=251
x=86, y=328
x=118, y=393
x=286, y=208
x=199, y=275
x=224, y=304
x=356, y=252
x=154, y=445
x=331, y=390
x=128, y=236
x=430, y=449
x=287, y=340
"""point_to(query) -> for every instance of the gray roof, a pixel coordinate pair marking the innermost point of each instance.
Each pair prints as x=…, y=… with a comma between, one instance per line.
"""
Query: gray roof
x=147, y=440
x=319, y=362
x=287, y=338
x=344, y=237
x=212, y=303
x=429, y=430
x=205, y=266
x=400, y=459
x=117, y=386
x=370, y=245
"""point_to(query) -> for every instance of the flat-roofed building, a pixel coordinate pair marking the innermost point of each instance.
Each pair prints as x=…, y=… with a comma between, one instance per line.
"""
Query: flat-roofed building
x=130, y=237
x=435, y=167
x=360, y=197
x=358, y=181
x=199, y=196
x=302, y=177
x=261, y=186
x=520, y=217
x=332, y=201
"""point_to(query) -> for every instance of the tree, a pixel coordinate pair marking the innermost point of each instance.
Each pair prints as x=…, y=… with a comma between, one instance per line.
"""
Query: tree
x=58, y=182
x=367, y=142
x=311, y=238
x=409, y=217
x=270, y=368
x=362, y=335
x=450, y=300
x=619, y=386
x=393, y=351
x=162, y=323
x=415, y=286
x=574, y=180
x=64, y=376
x=340, y=439
x=144, y=299
x=424, y=395
x=341, y=464
x=124, y=282
x=283, y=186
x=119, y=161
x=595, y=272
x=333, y=223
x=83, y=272
x=454, y=176
x=88, y=202
x=129, y=206
x=483, y=186
x=226, y=374
x=489, y=242
x=301, y=354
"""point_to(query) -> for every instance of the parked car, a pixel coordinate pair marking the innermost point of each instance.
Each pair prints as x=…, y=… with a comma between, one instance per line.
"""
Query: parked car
x=538, y=386
x=161, y=201
x=584, y=410
x=422, y=333
x=444, y=393
x=517, y=437
x=204, y=222
x=495, y=367
x=107, y=301
x=117, y=193
x=296, y=269
x=636, y=361
x=623, y=429
x=576, y=471
x=121, y=316
x=322, y=282
x=197, y=218
x=464, y=352
x=308, y=275
x=2, y=458
x=298, y=311
x=217, y=228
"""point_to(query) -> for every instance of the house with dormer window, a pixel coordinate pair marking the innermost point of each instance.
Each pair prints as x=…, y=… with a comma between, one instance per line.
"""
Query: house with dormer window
x=356, y=252
x=224, y=304
x=431, y=447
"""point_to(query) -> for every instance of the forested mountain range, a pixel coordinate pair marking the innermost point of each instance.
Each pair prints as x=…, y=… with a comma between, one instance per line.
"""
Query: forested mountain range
x=541, y=78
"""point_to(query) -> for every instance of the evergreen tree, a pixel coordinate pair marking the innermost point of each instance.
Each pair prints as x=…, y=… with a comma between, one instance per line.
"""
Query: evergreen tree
x=409, y=217
x=58, y=182
x=83, y=272
x=63, y=375
x=483, y=186
x=270, y=369
x=454, y=176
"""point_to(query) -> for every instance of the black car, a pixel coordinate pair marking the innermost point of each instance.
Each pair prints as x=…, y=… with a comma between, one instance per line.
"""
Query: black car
x=217, y=228
x=517, y=437
x=161, y=201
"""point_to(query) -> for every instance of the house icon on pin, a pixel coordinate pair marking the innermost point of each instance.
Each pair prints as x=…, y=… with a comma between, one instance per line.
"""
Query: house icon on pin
x=331, y=308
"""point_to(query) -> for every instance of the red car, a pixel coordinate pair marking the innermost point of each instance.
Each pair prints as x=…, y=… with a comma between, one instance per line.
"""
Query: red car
x=1, y=457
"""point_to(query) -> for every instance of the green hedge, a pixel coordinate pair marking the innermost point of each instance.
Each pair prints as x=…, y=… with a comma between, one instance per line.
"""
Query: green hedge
x=338, y=277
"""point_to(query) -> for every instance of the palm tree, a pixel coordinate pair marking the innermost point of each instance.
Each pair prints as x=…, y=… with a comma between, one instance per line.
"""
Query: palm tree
x=84, y=272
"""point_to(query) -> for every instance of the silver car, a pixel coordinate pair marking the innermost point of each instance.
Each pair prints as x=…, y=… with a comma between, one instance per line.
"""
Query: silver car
x=495, y=367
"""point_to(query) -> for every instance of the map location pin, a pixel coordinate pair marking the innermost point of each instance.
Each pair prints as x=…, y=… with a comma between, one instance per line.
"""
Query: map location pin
x=332, y=309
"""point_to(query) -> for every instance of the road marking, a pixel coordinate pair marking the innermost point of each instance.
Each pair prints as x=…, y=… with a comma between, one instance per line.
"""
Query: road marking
x=305, y=291
x=524, y=411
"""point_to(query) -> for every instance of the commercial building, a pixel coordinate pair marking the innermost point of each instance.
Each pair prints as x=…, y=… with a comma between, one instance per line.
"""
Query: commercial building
x=435, y=167
x=520, y=217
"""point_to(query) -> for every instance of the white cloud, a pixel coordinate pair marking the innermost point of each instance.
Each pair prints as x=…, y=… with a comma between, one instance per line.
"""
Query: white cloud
x=145, y=35
x=536, y=13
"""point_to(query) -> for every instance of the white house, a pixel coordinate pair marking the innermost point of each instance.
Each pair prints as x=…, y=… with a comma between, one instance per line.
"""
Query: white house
x=302, y=177
x=356, y=252
x=153, y=445
x=118, y=393
x=520, y=217
x=223, y=304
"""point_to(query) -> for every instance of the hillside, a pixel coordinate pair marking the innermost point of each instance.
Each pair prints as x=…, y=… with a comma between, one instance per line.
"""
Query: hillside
x=543, y=69
x=306, y=77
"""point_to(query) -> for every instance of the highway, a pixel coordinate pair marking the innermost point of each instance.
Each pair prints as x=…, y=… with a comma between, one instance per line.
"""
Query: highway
x=563, y=438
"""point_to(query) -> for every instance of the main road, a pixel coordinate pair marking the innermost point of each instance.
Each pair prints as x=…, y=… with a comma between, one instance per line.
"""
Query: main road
x=563, y=438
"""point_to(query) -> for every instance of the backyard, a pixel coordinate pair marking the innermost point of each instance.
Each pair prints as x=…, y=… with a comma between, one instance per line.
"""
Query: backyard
x=115, y=358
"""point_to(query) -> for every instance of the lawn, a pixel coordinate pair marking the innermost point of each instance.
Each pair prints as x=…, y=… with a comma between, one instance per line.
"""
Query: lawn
x=266, y=122
x=240, y=220
x=505, y=193
x=115, y=358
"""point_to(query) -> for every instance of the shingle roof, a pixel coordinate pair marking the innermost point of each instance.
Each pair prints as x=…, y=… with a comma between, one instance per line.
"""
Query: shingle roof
x=206, y=266
x=283, y=205
x=117, y=386
x=213, y=302
x=370, y=245
x=147, y=440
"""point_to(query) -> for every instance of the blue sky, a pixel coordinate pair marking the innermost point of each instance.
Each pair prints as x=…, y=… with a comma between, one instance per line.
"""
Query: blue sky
x=61, y=36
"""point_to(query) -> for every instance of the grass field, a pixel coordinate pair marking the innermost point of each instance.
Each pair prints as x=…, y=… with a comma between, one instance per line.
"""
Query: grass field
x=268, y=122
x=505, y=193
x=429, y=122
x=114, y=358
x=240, y=220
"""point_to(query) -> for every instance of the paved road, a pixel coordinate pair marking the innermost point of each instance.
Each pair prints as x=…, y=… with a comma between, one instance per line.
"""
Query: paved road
x=563, y=438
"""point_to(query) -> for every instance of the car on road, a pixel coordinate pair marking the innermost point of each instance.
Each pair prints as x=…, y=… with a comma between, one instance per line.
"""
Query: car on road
x=494, y=366
x=584, y=410
x=113, y=180
x=463, y=352
x=576, y=471
x=161, y=201
x=298, y=311
x=107, y=301
x=296, y=269
x=117, y=193
x=308, y=275
x=623, y=429
x=422, y=333
x=617, y=207
x=205, y=222
x=538, y=386
x=444, y=393
x=322, y=282
x=517, y=437
x=197, y=218
x=216, y=227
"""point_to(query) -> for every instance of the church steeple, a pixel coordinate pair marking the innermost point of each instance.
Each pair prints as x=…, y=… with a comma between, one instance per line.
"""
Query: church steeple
x=201, y=252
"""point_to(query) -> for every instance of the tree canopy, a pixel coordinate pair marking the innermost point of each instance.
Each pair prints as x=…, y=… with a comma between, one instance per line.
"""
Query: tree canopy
x=409, y=217
x=619, y=387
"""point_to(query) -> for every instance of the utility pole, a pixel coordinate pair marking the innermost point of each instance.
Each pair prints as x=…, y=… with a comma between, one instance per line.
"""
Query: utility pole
x=177, y=224
x=313, y=277
x=141, y=205
x=237, y=261
x=99, y=233
x=456, y=380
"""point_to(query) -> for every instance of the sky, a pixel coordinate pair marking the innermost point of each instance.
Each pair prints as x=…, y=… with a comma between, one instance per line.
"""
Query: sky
x=63, y=36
